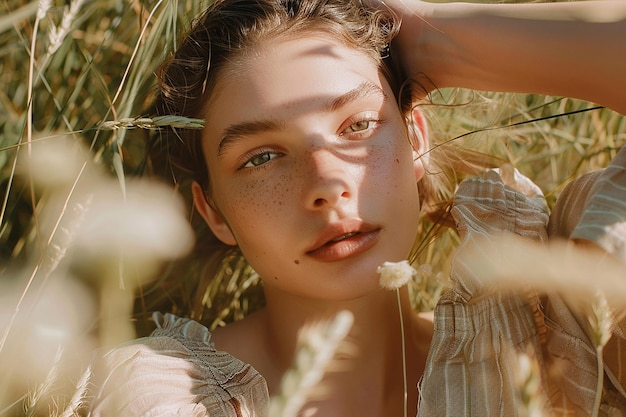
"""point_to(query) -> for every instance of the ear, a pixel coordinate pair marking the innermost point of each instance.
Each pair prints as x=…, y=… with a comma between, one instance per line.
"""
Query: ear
x=214, y=219
x=418, y=129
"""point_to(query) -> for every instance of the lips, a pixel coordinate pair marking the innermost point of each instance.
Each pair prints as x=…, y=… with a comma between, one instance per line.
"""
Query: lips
x=343, y=240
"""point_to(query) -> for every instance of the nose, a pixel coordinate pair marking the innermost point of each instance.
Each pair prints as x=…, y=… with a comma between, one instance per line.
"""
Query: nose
x=329, y=179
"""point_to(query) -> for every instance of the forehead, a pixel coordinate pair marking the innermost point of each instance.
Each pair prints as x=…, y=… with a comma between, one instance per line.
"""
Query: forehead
x=288, y=78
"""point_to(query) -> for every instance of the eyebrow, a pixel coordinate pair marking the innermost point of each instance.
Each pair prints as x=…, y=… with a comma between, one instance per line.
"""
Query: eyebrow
x=237, y=131
x=363, y=90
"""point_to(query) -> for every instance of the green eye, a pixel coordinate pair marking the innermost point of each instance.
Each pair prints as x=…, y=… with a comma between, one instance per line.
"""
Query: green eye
x=359, y=126
x=260, y=159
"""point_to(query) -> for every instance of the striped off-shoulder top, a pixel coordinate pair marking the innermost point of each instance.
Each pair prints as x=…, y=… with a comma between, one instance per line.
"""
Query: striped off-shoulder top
x=470, y=370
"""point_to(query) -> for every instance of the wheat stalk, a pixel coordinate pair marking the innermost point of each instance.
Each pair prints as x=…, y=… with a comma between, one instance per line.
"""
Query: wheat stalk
x=34, y=397
x=58, y=33
x=317, y=345
x=601, y=321
x=153, y=123
x=78, y=397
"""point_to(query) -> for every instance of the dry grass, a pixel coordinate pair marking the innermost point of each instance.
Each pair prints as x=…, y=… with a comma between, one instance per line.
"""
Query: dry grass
x=83, y=75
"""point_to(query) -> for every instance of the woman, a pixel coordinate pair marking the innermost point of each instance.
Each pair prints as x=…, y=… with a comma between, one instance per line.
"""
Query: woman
x=312, y=162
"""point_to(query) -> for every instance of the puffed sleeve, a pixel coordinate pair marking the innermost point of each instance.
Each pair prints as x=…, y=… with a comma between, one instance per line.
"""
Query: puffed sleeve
x=593, y=209
x=176, y=372
x=479, y=331
x=604, y=218
x=469, y=370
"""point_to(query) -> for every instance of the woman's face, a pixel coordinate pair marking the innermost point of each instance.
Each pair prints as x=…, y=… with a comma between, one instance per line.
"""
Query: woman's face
x=312, y=173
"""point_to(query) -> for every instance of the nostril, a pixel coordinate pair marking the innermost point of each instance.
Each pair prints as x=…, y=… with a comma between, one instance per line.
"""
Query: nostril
x=328, y=193
x=320, y=202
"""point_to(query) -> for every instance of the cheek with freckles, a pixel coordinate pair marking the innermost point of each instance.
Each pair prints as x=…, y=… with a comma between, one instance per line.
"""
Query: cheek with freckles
x=391, y=170
x=251, y=209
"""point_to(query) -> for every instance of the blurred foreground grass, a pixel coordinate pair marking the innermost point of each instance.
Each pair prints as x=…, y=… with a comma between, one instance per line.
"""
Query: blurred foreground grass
x=73, y=254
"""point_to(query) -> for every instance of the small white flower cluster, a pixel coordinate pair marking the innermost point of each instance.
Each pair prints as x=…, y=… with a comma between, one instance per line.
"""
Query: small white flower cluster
x=394, y=275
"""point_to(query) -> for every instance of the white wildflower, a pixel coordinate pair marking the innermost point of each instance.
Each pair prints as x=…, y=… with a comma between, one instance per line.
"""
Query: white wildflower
x=394, y=275
x=145, y=224
x=53, y=317
x=57, y=162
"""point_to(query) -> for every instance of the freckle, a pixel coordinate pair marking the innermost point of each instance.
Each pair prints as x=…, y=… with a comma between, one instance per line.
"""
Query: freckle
x=397, y=161
x=276, y=278
x=297, y=262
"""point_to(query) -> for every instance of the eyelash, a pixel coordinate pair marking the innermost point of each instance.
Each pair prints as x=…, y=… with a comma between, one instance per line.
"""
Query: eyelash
x=247, y=159
x=373, y=123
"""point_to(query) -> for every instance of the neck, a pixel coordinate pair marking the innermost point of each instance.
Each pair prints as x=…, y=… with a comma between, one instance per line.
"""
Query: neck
x=375, y=361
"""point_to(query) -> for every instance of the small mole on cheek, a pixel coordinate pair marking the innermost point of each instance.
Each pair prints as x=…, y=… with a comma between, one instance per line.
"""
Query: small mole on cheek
x=397, y=161
x=297, y=262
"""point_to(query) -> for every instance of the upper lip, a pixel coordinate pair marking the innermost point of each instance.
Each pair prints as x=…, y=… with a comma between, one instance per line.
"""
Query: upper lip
x=338, y=230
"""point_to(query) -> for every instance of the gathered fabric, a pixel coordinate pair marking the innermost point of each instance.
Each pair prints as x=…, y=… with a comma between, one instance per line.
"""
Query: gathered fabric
x=177, y=371
x=479, y=332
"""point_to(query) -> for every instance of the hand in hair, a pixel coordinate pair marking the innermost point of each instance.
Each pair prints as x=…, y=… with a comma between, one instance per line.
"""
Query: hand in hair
x=572, y=49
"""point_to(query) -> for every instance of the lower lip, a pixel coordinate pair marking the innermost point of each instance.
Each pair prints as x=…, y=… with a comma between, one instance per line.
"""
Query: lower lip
x=346, y=248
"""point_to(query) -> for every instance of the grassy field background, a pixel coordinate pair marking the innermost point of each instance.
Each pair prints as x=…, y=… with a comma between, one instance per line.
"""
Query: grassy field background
x=82, y=268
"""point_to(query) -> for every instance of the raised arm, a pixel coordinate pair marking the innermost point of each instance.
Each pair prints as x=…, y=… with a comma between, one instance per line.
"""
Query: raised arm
x=568, y=49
